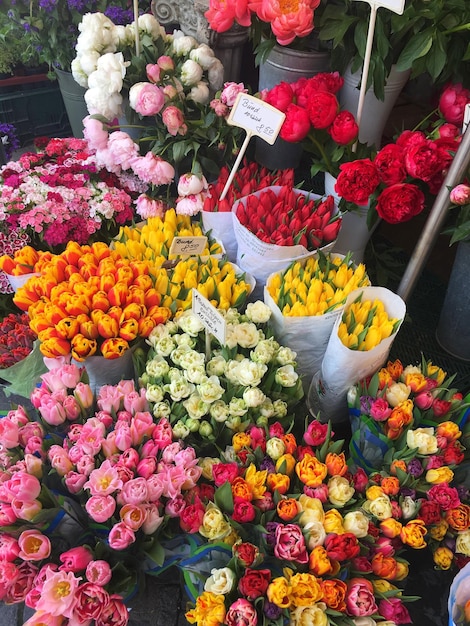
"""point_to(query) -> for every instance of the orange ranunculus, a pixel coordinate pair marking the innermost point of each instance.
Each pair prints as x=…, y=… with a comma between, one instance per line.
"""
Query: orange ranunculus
x=311, y=471
x=278, y=482
x=319, y=563
x=68, y=327
x=334, y=594
x=285, y=464
x=116, y=313
x=287, y=509
x=390, y=485
x=136, y=295
x=54, y=347
x=129, y=329
x=107, y=327
x=114, y=347
x=413, y=533
x=89, y=329
x=159, y=314
x=82, y=347
x=152, y=297
x=459, y=518
x=289, y=442
x=390, y=527
x=336, y=464
x=397, y=464
x=117, y=295
x=241, y=489
x=384, y=566
x=146, y=325
x=134, y=311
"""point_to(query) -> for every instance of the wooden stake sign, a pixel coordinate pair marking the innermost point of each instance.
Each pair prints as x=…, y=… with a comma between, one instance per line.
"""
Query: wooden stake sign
x=212, y=320
x=257, y=118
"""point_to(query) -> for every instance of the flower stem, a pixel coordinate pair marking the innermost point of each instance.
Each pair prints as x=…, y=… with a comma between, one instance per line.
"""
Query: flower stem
x=322, y=152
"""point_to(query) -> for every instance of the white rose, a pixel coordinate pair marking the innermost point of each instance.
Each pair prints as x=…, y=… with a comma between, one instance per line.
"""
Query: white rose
x=280, y=408
x=221, y=581
x=190, y=323
x=204, y=55
x=216, y=75
x=218, y=410
x=286, y=376
x=102, y=103
x=182, y=44
x=149, y=24
x=339, y=491
x=258, y=312
x=396, y=393
x=423, y=439
x=315, y=534
x=157, y=367
x=357, y=523
x=154, y=393
x=162, y=409
x=216, y=366
x=196, y=374
x=195, y=406
x=211, y=390
x=237, y=407
x=275, y=448
x=246, y=335
x=178, y=389
x=199, y=93
x=253, y=397
x=286, y=356
x=250, y=374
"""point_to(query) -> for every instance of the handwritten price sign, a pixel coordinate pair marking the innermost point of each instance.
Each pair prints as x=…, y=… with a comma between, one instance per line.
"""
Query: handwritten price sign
x=256, y=117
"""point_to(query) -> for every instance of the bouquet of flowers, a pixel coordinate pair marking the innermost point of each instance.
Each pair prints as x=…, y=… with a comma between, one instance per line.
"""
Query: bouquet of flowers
x=394, y=400
x=60, y=194
x=303, y=547
x=170, y=90
x=209, y=394
x=88, y=499
x=10, y=244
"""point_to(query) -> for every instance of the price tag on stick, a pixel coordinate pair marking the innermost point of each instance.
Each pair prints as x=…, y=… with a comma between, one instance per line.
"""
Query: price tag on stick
x=257, y=118
x=211, y=318
x=396, y=6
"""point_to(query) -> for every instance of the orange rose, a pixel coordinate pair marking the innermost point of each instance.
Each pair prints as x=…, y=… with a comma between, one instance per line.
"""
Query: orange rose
x=278, y=482
x=334, y=594
x=459, y=518
x=390, y=485
x=114, y=347
x=287, y=509
x=241, y=489
x=311, y=471
x=319, y=562
x=384, y=566
x=336, y=464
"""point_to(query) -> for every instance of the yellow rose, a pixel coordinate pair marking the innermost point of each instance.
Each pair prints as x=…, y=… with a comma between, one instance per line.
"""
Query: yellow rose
x=462, y=543
x=309, y=615
x=278, y=592
x=439, y=475
x=333, y=522
x=305, y=590
x=339, y=491
x=443, y=557
x=214, y=524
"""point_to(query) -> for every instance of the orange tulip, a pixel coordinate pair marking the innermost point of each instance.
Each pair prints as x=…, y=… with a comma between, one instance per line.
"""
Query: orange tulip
x=77, y=304
x=114, y=347
x=100, y=301
x=82, y=347
x=54, y=347
x=72, y=253
x=116, y=313
x=89, y=329
x=152, y=297
x=143, y=281
x=146, y=325
x=134, y=311
x=140, y=268
x=125, y=274
x=68, y=327
x=136, y=294
x=117, y=295
x=107, y=281
x=159, y=314
x=7, y=264
x=108, y=327
x=129, y=329
x=100, y=249
x=287, y=509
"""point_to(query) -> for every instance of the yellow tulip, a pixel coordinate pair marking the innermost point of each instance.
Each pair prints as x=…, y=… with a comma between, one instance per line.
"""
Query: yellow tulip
x=372, y=339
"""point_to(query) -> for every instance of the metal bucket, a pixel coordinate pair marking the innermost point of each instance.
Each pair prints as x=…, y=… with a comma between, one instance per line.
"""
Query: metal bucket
x=73, y=96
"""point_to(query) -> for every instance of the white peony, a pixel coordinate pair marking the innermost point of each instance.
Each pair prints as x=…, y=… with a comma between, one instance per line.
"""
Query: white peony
x=149, y=24
x=97, y=32
x=199, y=93
x=216, y=75
x=107, y=105
x=204, y=55
x=191, y=73
x=182, y=44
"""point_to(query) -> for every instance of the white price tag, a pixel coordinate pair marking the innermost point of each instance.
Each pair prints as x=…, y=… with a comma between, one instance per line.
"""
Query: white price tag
x=397, y=6
x=188, y=245
x=213, y=320
x=256, y=117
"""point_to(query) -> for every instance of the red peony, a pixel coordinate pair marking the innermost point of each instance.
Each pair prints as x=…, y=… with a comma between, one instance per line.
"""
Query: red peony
x=296, y=125
x=399, y=203
x=323, y=107
x=424, y=160
x=357, y=181
x=280, y=96
x=344, y=129
x=390, y=164
x=452, y=103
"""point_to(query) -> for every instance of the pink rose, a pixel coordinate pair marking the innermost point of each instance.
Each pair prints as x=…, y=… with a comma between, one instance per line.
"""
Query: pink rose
x=360, y=600
x=290, y=543
x=75, y=559
x=120, y=536
x=173, y=119
x=241, y=613
x=146, y=99
x=230, y=92
x=98, y=572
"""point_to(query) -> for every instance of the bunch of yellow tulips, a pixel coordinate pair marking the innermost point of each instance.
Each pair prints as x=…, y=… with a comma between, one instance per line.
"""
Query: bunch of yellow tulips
x=364, y=324
x=316, y=287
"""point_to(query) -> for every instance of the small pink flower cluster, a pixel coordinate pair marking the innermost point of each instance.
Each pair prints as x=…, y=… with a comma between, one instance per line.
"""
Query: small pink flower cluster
x=10, y=242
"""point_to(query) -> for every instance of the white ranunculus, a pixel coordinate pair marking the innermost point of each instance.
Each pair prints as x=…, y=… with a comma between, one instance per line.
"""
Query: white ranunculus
x=107, y=105
x=221, y=581
x=211, y=390
x=253, y=397
x=258, y=312
x=190, y=323
x=195, y=406
x=286, y=376
x=216, y=75
x=149, y=24
x=203, y=54
x=199, y=93
x=182, y=44
x=219, y=411
x=250, y=374
x=191, y=73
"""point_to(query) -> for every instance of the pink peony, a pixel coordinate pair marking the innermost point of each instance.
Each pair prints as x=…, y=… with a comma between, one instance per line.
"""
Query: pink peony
x=96, y=133
x=173, y=119
x=146, y=99
x=153, y=169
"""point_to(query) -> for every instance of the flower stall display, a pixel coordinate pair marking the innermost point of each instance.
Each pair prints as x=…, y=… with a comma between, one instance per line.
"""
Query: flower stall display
x=166, y=94
x=305, y=545
x=394, y=400
x=85, y=516
x=359, y=343
x=61, y=194
x=280, y=224
x=217, y=213
x=208, y=394
x=11, y=242
x=16, y=339
x=306, y=299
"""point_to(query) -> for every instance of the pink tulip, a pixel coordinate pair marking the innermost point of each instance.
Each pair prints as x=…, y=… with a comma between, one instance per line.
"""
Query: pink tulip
x=75, y=559
x=9, y=547
x=104, y=480
x=100, y=508
x=52, y=411
x=123, y=436
x=133, y=516
x=58, y=594
x=134, y=491
x=23, y=486
x=26, y=509
x=75, y=481
x=7, y=515
x=146, y=467
x=34, y=546
x=9, y=433
x=120, y=537
x=84, y=395
x=153, y=520
x=98, y=572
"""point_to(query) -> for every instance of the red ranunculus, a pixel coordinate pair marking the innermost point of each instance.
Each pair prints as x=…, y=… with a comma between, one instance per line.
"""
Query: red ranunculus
x=344, y=129
x=323, y=107
x=390, y=164
x=254, y=582
x=280, y=96
x=296, y=125
x=452, y=103
x=357, y=181
x=399, y=203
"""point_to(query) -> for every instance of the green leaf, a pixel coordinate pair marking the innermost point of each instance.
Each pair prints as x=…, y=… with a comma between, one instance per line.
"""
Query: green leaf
x=224, y=498
x=417, y=47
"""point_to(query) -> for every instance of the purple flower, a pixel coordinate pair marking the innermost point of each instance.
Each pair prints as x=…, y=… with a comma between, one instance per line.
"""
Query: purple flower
x=268, y=464
x=408, y=492
x=119, y=16
x=271, y=533
x=365, y=404
x=47, y=5
x=415, y=468
x=271, y=610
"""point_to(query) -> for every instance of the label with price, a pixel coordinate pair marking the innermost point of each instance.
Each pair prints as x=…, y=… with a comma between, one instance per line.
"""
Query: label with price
x=256, y=117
